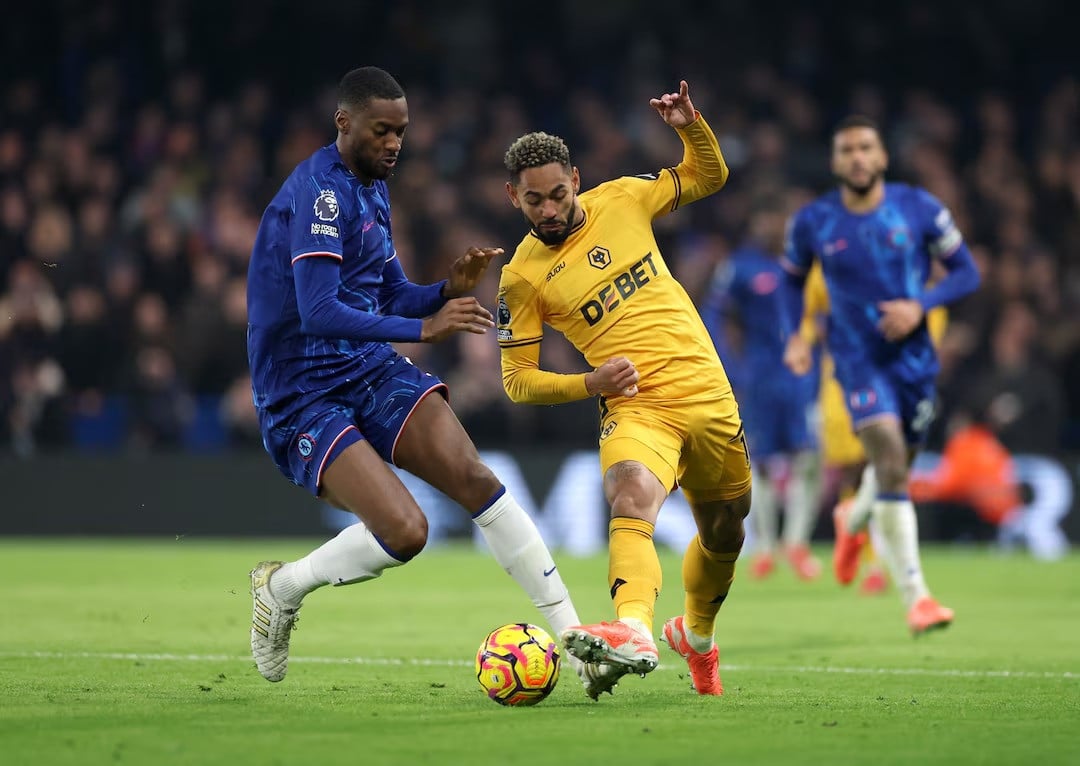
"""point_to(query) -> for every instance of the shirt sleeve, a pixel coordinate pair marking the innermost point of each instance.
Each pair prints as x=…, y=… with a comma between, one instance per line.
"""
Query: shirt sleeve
x=315, y=226
x=945, y=242
x=796, y=262
x=520, y=328
x=941, y=234
x=403, y=298
x=322, y=313
x=701, y=172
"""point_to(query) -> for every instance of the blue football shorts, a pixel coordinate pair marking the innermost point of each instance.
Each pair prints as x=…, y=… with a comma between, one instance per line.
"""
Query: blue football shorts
x=375, y=407
x=873, y=394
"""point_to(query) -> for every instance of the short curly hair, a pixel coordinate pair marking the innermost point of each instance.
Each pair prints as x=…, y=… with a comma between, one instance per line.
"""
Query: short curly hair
x=533, y=150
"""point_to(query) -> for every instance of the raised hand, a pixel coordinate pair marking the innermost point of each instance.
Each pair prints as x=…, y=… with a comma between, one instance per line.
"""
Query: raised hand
x=676, y=109
x=467, y=270
x=458, y=315
x=615, y=376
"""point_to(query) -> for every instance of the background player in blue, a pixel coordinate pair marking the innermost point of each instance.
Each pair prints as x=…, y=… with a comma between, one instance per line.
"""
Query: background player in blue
x=741, y=311
x=336, y=403
x=876, y=241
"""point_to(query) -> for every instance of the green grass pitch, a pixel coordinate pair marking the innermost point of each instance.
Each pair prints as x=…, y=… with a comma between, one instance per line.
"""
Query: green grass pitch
x=135, y=652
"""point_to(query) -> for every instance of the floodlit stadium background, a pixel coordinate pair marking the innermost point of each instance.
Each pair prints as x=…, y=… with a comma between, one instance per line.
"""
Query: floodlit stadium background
x=140, y=142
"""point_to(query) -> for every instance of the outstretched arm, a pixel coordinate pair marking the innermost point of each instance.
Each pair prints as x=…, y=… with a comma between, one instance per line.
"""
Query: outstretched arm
x=403, y=298
x=702, y=170
x=323, y=313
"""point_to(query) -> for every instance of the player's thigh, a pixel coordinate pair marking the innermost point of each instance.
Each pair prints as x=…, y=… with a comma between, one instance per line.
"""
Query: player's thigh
x=305, y=441
x=716, y=459
x=640, y=449
x=872, y=401
x=434, y=446
x=360, y=481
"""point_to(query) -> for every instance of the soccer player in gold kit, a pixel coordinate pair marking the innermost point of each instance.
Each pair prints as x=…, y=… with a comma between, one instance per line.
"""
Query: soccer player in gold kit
x=590, y=268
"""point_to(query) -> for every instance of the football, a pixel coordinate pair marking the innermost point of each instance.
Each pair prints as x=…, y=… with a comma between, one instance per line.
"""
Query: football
x=518, y=664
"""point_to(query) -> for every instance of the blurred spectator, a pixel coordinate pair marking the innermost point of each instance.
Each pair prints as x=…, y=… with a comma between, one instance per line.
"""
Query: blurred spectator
x=31, y=378
x=1018, y=395
x=140, y=171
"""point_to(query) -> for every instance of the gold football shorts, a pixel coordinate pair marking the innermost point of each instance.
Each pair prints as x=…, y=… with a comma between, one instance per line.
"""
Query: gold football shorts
x=698, y=445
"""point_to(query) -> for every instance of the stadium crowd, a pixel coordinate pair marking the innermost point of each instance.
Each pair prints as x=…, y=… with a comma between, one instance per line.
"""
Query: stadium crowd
x=138, y=148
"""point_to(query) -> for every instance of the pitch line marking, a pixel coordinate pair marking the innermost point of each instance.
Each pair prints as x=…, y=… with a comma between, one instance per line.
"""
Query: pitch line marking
x=396, y=661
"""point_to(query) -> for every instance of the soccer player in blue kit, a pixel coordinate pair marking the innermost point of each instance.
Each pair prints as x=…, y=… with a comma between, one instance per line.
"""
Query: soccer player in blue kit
x=775, y=404
x=876, y=242
x=326, y=298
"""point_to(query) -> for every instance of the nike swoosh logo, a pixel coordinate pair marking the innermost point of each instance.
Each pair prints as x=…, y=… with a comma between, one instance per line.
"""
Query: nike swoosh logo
x=547, y=573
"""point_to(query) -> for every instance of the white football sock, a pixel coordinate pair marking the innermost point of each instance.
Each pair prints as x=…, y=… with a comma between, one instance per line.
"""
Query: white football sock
x=764, y=512
x=900, y=535
x=863, y=504
x=700, y=644
x=355, y=555
x=876, y=538
x=801, y=499
x=516, y=544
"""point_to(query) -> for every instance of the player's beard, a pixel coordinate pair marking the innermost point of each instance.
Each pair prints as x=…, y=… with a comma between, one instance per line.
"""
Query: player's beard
x=377, y=171
x=373, y=169
x=862, y=190
x=557, y=236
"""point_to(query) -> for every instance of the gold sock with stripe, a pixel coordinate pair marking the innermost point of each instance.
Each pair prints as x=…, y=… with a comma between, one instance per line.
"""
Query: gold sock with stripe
x=634, y=573
x=707, y=577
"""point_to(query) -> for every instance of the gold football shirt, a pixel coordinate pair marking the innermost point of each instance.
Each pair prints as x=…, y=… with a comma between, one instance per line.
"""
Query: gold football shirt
x=609, y=291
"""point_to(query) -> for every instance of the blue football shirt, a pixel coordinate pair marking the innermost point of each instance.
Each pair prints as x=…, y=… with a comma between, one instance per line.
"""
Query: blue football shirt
x=871, y=257
x=324, y=211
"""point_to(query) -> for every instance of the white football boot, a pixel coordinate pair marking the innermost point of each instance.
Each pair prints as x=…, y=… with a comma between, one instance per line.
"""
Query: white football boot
x=272, y=623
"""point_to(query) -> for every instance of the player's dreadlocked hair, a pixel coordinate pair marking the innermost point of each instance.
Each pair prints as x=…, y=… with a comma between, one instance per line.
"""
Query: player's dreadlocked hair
x=361, y=85
x=533, y=150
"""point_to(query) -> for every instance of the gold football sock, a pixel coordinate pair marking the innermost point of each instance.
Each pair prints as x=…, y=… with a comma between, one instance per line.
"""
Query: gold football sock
x=707, y=578
x=634, y=573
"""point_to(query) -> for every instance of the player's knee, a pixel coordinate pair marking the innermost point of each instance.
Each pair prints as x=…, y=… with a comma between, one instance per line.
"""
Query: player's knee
x=892, y=475
x=469, y=482
x=409, y=537
x=635, y=501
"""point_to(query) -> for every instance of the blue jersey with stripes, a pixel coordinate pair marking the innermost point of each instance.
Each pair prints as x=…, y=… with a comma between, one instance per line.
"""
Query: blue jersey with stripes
x=867, y=258
x=322, y=210
x=774, y=402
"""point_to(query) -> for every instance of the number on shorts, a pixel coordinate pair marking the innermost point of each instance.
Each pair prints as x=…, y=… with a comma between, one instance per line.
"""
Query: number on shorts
x=924, y=414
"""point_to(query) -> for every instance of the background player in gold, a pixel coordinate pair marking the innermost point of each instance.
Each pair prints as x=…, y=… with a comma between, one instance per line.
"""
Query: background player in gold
x=590, y=268
x=841, y=450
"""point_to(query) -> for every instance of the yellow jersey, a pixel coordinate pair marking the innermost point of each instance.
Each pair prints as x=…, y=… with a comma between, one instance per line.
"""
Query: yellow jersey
x=608, y=290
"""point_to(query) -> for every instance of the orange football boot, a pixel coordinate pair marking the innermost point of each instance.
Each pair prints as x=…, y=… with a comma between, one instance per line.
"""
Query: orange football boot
x=927, y=614
x=847, y=545
x=704, y=667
